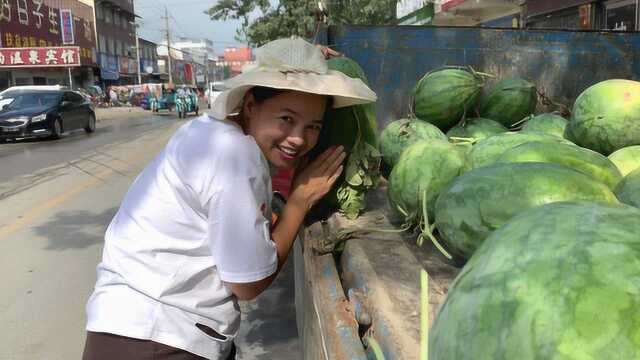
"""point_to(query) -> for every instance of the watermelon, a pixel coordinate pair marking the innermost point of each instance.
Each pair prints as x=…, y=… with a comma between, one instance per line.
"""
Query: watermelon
x=560, y=281
x=606, y=116
x=510, y=101
x=626, y=159
x=487, y=151
x=628, y=191
x=482, y=200
x=426, y=166
x=355, y=128
x=584, y=160
x=549, y=123
x=400, y=134
x=476, y=128
x=443, y=97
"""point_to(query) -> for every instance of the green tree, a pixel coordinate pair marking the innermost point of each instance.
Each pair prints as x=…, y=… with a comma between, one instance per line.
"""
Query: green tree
x=298, y=17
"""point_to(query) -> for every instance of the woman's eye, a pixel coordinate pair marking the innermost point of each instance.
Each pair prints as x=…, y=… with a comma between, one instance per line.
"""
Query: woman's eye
x=315, y=127
x=287, y=119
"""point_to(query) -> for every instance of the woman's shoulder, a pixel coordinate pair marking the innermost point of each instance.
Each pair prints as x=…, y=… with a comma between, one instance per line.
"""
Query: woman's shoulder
x=218, y=143
x=222, y=134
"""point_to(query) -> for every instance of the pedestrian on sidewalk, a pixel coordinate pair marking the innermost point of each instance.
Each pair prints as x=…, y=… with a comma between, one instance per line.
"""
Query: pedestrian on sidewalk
x=195, y=233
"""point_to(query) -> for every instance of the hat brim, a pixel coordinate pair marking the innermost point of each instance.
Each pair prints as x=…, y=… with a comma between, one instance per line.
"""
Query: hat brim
x=345, y=91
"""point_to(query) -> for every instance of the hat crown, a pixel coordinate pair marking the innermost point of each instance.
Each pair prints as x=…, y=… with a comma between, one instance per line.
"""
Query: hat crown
x=292, y=54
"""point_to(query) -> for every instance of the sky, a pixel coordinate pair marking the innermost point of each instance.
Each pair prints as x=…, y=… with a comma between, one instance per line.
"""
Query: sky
x=186, y=18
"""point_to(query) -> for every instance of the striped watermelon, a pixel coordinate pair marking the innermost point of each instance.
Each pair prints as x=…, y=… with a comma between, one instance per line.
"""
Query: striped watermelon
x=476, y=128
x=584, y=160
x=428, y=166
x=400, y=134
x=443, y=97
x=626, y=159
x=606, y=116
x=510, y=101
x=488, y=150
x=548, y=123
x=560, y=281
x=628, y=191
x=482, y=200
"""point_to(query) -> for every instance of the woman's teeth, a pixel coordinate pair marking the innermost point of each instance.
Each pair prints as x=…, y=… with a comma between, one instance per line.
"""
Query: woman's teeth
x=288, y=151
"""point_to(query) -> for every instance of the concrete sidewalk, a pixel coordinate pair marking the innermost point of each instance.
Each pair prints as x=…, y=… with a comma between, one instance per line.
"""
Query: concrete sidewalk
x=268, y=329
x=123, y=113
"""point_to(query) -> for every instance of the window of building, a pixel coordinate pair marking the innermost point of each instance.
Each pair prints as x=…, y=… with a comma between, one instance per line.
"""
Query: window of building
x=124, y=19
x=116, y=18
x=111, y=49
x=100, y=12
x=108, y=15
x=102, y=43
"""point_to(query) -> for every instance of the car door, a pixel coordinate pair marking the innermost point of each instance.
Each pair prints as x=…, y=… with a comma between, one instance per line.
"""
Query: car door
x=81, y=110
x=68, y=112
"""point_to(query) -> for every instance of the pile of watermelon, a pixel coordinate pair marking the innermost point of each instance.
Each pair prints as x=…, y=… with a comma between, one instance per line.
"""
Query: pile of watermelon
x=540, y=211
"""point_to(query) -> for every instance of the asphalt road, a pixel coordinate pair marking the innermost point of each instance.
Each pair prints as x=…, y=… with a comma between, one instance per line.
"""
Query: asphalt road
x=56, y=200
x=29, y=155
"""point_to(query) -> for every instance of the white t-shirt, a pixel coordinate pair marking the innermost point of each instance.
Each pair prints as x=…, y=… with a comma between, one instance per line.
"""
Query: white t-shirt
x=197, y=215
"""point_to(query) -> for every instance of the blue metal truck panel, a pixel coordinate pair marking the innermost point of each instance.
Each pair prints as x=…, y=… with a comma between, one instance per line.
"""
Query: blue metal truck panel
x=561, y=63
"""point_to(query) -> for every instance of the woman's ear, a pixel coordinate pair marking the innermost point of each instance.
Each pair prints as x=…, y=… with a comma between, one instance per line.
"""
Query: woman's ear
x=248, y=104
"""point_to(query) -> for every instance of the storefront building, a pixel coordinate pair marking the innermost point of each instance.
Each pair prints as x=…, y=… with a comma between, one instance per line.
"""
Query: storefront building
x=29, y=30
x=149, y=61
x=115, y=25
x=615, y=15
x=621, y=15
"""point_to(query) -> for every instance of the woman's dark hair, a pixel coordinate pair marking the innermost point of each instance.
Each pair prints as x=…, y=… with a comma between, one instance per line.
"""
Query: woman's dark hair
x=261, y=93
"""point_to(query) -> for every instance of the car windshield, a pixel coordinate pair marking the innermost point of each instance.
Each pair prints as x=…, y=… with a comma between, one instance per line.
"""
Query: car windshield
x=25, y=100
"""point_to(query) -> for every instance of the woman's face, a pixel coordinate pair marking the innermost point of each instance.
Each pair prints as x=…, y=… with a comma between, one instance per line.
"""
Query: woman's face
x=286, y=126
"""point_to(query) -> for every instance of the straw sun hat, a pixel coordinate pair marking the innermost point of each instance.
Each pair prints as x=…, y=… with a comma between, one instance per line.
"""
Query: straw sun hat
x=292, y=64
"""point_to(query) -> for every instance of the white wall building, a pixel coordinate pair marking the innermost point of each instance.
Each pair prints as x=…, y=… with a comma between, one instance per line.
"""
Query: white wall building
x=199, y=49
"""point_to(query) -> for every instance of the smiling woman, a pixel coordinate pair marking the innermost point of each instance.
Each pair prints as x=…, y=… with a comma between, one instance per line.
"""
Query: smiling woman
x=285, y=124
x=195, y=232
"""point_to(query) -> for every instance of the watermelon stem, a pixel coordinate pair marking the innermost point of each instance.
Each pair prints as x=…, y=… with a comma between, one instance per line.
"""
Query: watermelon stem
x=480, y=74
x=461, y=140
x=427, y=229
x=516, y=126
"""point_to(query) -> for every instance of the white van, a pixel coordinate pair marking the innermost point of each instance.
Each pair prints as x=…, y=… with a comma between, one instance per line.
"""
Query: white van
x=215, y=88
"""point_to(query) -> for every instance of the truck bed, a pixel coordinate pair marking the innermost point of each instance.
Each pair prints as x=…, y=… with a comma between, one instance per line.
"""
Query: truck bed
x=370, y=289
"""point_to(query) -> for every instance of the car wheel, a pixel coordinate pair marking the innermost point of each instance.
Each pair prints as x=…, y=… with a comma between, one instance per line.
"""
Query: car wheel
x=91, y=124
x=197, y=110
x=57, y=129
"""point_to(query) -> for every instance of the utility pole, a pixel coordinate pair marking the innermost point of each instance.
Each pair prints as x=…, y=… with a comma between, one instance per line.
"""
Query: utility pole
x=166, y=19
x=138, y=52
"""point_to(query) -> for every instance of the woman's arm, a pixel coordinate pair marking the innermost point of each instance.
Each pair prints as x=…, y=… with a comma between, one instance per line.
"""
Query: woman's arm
x=308, y=187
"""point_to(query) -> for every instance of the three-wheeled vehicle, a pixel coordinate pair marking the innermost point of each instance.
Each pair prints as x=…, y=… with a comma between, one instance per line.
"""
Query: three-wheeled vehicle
x=165, y=102
x=186, y=100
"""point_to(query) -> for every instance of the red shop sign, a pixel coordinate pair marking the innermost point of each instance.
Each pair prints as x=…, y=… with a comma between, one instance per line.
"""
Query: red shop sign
x=60, y=56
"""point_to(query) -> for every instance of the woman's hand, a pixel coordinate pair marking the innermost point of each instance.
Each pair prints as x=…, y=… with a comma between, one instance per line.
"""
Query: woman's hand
x=328, y=52
x=317, y=178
